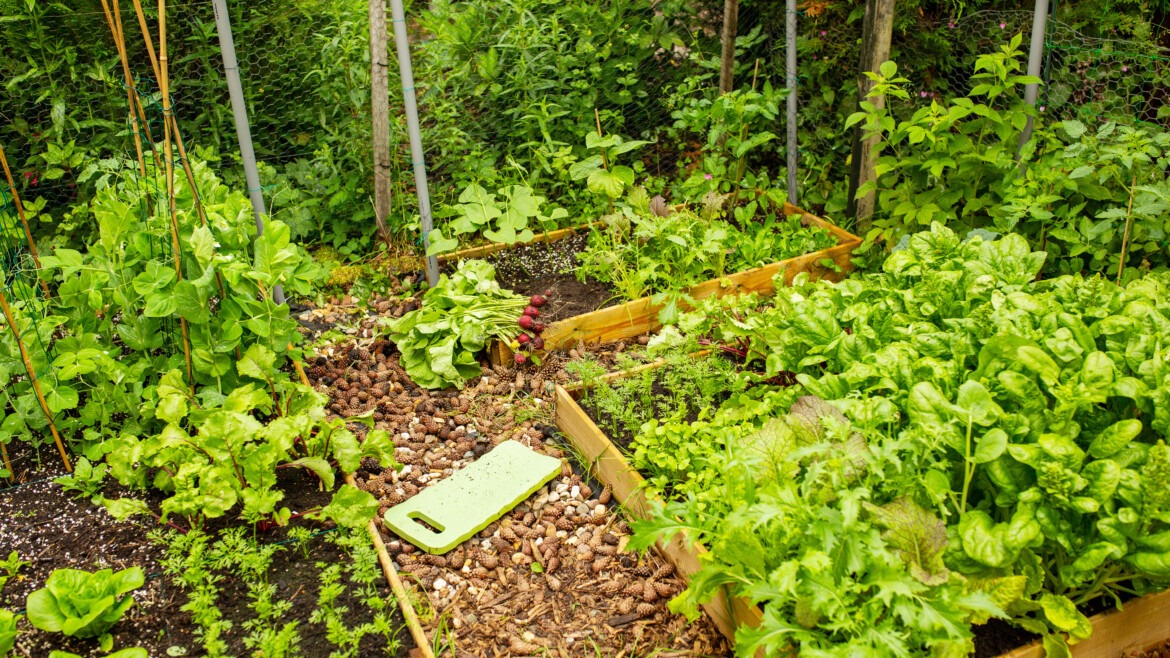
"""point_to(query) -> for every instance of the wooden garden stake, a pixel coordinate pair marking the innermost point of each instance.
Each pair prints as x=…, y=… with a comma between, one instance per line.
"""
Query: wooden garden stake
x=32, y=245
x=730, y=31
x=877, y=33
x=164, y=89
x=169, y=120
x=380, y=114
x=132, y=100
x=32, y=376
x=400, y=593
x=1128, y=223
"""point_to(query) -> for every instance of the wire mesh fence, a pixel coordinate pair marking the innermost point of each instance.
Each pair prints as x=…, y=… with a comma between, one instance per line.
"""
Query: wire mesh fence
x=500, y=85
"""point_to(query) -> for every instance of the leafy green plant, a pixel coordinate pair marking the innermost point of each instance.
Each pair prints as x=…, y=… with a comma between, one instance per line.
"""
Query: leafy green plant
x=439, y=341
x=211, y=457
x=1023, y=414
x=83, y=604
x=600, y=173
x=1095, y=201
x=10, y=567
x=508, y=219
x=640, y=253
x=86, y=479
x=8, y=631
x=733, y=129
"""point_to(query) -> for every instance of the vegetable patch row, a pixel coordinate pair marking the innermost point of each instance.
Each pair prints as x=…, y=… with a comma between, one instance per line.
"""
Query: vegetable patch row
x=903, y=456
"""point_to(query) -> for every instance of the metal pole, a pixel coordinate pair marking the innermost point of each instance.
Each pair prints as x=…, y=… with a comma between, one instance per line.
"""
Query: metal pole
x=792, y=86
x=1035, y=65
x=417, y=158
x=231, y=68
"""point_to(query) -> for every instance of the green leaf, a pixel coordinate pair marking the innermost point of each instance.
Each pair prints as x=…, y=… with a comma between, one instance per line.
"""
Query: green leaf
x=585, y=168
x=990, y=446
x=1115, y=437
x=351, y=507
x=439, y=243
x=1063, y=614
x=318, y=466
x=258, y=362
x=605, y=182
x=917, y=536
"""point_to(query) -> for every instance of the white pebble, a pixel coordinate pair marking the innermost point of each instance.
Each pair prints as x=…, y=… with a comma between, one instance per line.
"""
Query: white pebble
x=575, y=492
x=440, y=584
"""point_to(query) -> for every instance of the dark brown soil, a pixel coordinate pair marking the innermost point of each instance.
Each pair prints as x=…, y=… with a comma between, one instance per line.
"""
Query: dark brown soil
x=51, y=530
x=538, y=267
x=998, y=637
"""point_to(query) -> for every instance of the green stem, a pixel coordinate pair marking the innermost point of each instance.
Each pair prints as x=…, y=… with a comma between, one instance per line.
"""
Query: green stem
x=968, y=468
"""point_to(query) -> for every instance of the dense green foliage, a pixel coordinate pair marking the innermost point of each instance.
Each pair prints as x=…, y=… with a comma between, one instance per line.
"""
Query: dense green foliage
x=1094, y=200
x=1012, y=430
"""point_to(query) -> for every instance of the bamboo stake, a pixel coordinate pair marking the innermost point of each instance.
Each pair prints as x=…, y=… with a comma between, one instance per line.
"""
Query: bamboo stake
x=32, y=245
x=400, y=592
x=7, y=462
x=169, y=120
x=168, y=156
x=32, y=375
x=131, y=92
x=1128, y=223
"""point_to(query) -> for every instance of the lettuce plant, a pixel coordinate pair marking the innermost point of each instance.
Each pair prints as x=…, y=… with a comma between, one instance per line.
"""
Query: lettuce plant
x=7, y=631
x=83, y=604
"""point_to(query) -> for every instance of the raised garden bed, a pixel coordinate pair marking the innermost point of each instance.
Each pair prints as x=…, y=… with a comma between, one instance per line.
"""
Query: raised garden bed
x=629, y=319
x=1141, y=626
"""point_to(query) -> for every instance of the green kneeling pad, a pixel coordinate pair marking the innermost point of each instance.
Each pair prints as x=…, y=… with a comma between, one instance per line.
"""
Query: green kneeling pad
x=472, y=497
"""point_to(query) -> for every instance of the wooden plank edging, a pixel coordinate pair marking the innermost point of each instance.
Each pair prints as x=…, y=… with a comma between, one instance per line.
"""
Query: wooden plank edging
x=610, y=467
x=1141, y=624
x=641, y=315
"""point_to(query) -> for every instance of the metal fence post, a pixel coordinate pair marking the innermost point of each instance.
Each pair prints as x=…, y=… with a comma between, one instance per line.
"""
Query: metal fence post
x=231, y=68
x=1035, y=65
x=790, y=55
x=417, y=157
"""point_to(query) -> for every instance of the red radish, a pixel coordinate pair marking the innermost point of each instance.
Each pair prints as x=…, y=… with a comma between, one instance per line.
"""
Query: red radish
x=526, y=322
x=521, y=359
x=537, y=300
x=538, y=343
x=536, y=327
x=523, y=339
x=531, y=310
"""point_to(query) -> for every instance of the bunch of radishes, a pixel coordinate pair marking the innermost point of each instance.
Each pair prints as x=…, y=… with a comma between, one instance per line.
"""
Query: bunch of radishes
x=530, y=322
